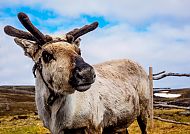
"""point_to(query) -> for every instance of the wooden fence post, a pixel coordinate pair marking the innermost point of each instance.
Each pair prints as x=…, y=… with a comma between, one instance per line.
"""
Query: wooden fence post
x=151, y=97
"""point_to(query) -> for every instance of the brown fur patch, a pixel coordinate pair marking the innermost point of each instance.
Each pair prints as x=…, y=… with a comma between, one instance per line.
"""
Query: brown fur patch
x=58, y=71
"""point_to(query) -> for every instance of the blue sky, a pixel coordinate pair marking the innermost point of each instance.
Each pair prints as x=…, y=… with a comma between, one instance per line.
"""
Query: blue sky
x=153, y=33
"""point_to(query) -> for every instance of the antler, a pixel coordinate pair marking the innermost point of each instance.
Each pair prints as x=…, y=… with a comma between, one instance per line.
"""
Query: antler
x=18, y=33
x=24, y=19
x=34, y=35
x=81, y=31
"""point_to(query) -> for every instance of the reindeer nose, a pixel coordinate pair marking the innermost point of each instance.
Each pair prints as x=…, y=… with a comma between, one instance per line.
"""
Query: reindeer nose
x=83, y=74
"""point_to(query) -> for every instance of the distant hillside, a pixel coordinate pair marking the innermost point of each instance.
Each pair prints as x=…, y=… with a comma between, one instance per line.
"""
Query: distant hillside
x=17, y=89
x=21, y=99
x=183, y=100
x=17, y=100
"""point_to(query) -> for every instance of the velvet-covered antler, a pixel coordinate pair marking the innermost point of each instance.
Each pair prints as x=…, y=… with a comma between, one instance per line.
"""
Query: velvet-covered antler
x=34, y=35
x=81, y=31
x=18, y=33
x=24, y=19
x=40, y=38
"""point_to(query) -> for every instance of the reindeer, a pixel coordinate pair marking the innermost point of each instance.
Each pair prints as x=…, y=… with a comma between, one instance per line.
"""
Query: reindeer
x=73, y=97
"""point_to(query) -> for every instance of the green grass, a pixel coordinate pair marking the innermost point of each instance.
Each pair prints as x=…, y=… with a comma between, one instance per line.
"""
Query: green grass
x=21, y=130
x=164, y=127
x=13, y=125
x=161, y=128
x=172, y=114
x=32, y=125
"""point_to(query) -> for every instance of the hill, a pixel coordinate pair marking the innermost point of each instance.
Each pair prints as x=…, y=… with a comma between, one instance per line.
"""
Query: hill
x=17, y=100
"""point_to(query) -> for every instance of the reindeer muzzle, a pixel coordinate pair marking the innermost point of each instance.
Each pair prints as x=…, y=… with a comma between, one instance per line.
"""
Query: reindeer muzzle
x=83, y=75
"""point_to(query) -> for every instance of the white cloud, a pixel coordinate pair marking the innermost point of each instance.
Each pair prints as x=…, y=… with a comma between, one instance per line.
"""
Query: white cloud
x=15, y=68
x=135, y=11
x=155, y=42
x=132, y=11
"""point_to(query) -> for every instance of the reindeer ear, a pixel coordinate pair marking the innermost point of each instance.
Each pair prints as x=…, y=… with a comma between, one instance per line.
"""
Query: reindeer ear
x=30, y=47
x=77, y=42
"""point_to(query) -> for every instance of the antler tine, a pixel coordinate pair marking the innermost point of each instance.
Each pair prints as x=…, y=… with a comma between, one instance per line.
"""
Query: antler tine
x=81, y=31
x=24, y=19
x=18, y=33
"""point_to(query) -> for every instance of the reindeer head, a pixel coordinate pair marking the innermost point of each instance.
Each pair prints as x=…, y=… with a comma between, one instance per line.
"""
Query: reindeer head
x=57, y=59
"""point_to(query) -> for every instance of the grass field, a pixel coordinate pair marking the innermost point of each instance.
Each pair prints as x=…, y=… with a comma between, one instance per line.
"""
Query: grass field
x=30, y=124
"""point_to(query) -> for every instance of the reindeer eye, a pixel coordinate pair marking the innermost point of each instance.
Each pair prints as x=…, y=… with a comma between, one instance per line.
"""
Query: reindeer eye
x=47, y=57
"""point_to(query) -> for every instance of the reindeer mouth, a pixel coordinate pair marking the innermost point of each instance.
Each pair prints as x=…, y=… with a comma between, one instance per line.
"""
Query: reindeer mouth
x=83, y=87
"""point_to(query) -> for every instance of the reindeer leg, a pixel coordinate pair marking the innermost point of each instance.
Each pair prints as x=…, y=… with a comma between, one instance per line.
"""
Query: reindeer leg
x=75, y=131
x=142, y=121
x=123, y=131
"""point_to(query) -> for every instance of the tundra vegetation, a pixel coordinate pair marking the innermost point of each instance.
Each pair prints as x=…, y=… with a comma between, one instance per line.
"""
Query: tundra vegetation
x=33, y=125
